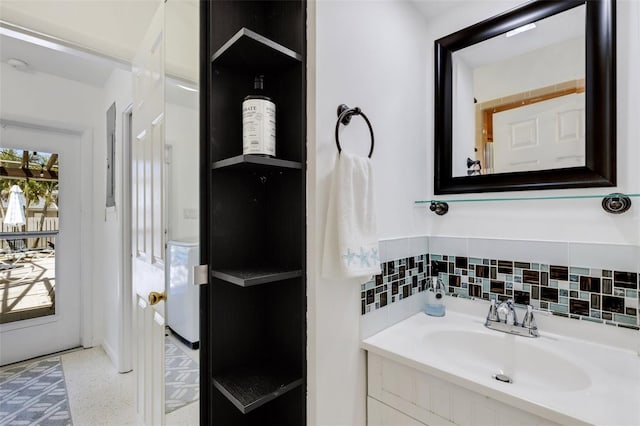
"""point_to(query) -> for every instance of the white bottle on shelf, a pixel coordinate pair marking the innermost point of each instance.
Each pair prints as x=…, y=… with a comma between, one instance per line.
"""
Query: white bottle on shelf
x=258, y=122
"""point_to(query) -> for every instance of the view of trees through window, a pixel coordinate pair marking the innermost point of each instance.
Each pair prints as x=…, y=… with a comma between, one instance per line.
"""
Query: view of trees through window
x=28, y=229
x=40, y=196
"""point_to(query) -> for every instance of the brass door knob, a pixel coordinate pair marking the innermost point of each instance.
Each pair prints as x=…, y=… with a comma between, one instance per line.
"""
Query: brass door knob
x=155, y=297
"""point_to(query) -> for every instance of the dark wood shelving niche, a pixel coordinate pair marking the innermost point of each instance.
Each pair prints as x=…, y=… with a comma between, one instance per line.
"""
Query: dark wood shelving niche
x=255, y=276
x=248, y=48
x=249, y=388
x=254, y=162
x=253, y=209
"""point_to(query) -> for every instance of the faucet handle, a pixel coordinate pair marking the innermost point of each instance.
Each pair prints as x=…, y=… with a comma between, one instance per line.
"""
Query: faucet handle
x=506, y=313
x=529, y=321
x=493, y=312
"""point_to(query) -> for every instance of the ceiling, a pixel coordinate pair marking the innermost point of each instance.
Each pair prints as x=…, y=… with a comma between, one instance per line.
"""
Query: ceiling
x=82, y=67
x=112, y=28
x=63, y=64
x=75, y=55
x=433, y=8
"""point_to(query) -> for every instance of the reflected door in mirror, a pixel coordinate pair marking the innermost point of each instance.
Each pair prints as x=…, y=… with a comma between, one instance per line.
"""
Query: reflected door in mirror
x=540, y=136
x=519, y=74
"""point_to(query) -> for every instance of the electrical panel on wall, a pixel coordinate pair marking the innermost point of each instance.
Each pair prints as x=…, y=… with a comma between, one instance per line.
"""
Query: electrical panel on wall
x=253, y=312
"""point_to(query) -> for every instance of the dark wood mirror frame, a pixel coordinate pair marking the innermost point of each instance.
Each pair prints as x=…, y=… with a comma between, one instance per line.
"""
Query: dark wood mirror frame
x=600, y=122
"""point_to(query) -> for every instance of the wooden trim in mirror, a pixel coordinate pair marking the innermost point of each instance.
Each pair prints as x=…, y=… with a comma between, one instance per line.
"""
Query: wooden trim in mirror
x=487, y=109
x=600, y=98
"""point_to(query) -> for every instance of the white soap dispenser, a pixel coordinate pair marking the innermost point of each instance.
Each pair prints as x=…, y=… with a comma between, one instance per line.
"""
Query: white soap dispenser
x=435, y=297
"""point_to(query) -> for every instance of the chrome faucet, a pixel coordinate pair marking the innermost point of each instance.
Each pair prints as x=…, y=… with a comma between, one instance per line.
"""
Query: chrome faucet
x=506, y=313
x=504, y=318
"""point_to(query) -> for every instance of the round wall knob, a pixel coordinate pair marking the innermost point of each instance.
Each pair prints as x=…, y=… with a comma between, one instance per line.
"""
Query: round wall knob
x=616, y=203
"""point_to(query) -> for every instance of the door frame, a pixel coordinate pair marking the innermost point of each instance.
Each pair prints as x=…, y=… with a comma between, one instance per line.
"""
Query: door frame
x=85, y=148
x=127, y=297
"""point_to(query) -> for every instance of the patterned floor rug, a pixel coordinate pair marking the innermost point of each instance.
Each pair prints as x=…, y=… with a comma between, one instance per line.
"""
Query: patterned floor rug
x=34, y=394
x=182, y=378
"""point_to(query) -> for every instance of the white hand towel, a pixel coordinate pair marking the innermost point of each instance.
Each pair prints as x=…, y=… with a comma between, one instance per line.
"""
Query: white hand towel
x=351, y=239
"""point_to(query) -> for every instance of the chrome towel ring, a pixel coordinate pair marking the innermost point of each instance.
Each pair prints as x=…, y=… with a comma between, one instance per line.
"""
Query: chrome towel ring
x=344, y=116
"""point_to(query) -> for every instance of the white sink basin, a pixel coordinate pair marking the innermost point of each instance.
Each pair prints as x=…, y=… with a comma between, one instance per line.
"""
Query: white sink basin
x=563, y=379
x=490, y=353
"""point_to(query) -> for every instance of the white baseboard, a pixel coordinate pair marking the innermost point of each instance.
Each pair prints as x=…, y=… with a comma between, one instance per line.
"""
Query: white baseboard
x=111, y=353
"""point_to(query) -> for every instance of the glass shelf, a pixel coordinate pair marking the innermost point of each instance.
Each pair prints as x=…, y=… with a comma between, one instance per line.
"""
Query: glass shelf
x=612, y=202
x=557, y=197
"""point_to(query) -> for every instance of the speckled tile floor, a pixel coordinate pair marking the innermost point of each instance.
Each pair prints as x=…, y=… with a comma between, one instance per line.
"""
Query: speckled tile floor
x=99, y=395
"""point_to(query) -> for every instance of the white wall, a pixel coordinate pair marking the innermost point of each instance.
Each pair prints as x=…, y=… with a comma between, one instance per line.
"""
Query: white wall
x=370, y=54
x=563, y=220
x=107, y=259
x=181, y=133
x=539, y=68
x=38, y=98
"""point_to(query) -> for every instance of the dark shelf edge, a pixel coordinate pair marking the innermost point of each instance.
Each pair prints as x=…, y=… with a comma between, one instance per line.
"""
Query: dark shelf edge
x=258, y=402
x=262, y=279
x=245, y=32
x=256, y=159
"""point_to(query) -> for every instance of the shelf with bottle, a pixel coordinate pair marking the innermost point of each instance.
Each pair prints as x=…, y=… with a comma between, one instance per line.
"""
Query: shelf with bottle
x=231, y=88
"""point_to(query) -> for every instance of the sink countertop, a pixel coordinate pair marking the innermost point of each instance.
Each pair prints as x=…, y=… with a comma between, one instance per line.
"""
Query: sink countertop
x=611, y=395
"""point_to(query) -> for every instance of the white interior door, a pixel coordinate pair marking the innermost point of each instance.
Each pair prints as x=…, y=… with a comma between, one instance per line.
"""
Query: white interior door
x=148, y=221
x=33, y=337
x=544, y=135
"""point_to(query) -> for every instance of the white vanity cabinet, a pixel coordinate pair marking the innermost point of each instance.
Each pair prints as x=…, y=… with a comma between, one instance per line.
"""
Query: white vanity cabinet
x=379, y=414
x=398, y=395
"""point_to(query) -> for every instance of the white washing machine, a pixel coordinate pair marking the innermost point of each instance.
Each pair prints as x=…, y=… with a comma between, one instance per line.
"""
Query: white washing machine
x=183, y=297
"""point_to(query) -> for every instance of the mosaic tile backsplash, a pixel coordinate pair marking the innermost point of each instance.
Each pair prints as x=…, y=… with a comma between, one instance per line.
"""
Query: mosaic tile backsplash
x=599, y=295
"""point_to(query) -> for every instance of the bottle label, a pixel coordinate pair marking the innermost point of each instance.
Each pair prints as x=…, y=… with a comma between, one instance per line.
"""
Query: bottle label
x=258, y=127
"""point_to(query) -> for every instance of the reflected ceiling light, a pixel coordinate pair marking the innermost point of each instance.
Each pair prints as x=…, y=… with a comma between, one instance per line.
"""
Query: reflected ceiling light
x=17, y=63
x=521, y=29
x=189, y=89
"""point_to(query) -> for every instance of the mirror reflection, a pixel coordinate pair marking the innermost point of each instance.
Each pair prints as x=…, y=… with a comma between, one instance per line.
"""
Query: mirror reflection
x=519, y=99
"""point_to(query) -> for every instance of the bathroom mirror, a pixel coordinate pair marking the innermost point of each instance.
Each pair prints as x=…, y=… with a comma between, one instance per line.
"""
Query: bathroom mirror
x=526, y=100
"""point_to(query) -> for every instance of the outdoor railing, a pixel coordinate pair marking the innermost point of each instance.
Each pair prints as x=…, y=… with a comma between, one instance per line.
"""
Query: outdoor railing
x=45, y=237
